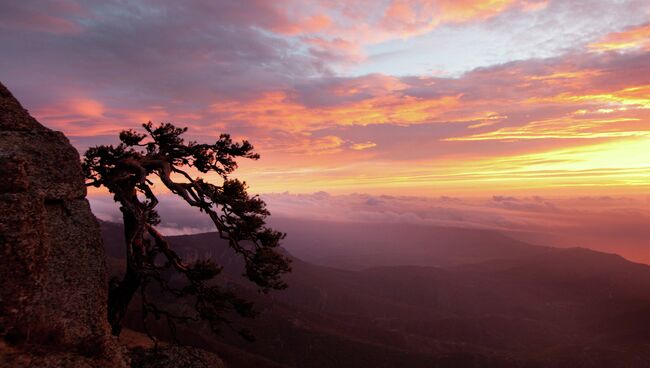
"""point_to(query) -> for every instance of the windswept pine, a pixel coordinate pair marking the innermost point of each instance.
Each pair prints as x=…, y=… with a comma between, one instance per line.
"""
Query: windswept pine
x=127, y=171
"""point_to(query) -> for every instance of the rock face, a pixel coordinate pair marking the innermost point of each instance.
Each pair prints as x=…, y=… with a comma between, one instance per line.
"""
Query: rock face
x=53, y=282
x=52, y=262
x=174, y=356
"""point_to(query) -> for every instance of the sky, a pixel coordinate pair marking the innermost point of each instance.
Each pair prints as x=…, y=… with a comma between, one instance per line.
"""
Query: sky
x=419, y=98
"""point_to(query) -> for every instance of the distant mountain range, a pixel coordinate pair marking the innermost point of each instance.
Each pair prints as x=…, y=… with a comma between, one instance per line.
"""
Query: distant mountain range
x=423, y=296
x=360, y=245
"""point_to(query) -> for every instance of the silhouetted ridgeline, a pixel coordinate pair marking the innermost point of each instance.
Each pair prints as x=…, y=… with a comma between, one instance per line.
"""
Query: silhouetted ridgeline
x=52, y=261
x=505, y=306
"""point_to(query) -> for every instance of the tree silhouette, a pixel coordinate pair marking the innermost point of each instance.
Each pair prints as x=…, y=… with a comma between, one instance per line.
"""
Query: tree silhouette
x=126, y=171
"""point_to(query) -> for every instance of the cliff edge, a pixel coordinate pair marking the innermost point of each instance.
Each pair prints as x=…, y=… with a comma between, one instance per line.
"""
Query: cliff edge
x=52, y=262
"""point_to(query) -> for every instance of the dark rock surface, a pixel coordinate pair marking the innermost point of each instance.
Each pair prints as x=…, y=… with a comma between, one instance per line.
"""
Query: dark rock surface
x=52, y=262
x=174, y=356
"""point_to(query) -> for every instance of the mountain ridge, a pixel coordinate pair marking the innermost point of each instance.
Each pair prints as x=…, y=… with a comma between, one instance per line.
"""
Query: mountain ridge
x=497, y=313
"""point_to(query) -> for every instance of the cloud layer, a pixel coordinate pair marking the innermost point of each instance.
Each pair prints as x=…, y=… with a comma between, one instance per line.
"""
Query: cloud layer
x=610, y=224
x=566, y=112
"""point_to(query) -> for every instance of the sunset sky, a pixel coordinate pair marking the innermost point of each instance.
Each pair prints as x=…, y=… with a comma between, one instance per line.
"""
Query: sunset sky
x=428, y=98
x=422, y=96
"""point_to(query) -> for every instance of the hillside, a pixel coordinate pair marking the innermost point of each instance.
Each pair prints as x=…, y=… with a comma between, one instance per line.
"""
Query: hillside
x=359, y=245
x=566, y=306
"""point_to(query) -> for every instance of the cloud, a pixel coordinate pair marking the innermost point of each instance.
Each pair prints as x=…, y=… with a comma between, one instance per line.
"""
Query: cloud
x=587, y=124
x=500, y=213
x=271, y=73
x=413, y=17
x=363, y=146
x=59, y=17
x=637, y=37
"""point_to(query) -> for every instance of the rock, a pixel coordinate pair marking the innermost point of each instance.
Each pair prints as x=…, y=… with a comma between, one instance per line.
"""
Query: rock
x=52, y=261
x=174, y=356
x=14, y=117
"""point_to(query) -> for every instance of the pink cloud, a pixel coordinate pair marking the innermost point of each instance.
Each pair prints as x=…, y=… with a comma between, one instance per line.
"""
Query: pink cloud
x=310, y=24
x=634, y=38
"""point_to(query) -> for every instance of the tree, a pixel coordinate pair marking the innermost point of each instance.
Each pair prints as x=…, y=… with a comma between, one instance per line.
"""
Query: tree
x=127, y=170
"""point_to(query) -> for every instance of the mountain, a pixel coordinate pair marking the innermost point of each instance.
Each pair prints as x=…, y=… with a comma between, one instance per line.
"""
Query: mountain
x=358, y=245
x=536, y=307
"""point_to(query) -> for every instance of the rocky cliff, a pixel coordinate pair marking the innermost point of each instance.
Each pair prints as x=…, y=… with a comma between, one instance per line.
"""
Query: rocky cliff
x=52, y=263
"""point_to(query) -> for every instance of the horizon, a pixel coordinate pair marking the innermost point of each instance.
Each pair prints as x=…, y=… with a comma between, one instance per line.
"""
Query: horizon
x=606, y=224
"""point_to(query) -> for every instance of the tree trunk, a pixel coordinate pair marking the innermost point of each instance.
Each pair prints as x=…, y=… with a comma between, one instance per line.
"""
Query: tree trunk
x=120, y=297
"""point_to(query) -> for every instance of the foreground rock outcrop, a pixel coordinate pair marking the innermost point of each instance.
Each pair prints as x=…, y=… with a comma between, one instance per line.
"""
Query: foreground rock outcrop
x=52, y=261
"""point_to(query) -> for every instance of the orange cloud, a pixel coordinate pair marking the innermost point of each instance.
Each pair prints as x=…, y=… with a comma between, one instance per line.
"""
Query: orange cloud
x=309, y=24
x=316, y=146
x=87, y=107
x=415, y=17
x=363, y=146
x=632, y=97
x=277, y=109
x=564, y=128
x=87, y=117
x=633, y=38
x=469, y=10
x=564, y=76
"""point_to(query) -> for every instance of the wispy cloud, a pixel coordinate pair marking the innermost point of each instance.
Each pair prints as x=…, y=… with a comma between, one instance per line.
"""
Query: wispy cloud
x=634, y=38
